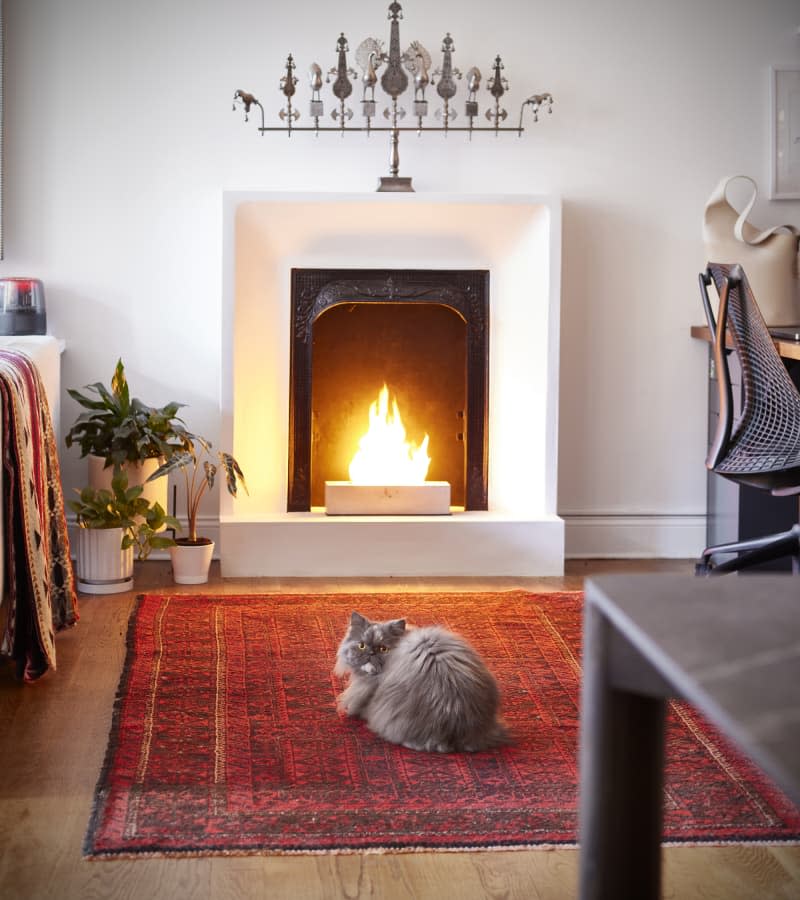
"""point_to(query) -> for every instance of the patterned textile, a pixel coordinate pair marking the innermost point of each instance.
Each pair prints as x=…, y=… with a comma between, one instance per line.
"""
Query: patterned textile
x=39, y=591
x=225, y=738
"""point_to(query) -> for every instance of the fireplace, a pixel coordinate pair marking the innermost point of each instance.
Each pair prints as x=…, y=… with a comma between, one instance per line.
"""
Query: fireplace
x=355, y=263
x=424, y=334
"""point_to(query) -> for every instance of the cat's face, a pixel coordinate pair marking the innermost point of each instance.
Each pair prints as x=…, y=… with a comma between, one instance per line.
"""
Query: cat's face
x=367, y=645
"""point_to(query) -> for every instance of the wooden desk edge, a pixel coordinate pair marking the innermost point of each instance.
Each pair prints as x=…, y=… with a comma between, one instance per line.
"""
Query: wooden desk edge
x=787, y=349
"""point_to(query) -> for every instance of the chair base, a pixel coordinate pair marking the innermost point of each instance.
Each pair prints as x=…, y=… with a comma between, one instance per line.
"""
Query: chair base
x=751, y=553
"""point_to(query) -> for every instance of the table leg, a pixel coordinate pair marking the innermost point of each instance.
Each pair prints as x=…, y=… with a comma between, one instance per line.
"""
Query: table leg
x=621, y=776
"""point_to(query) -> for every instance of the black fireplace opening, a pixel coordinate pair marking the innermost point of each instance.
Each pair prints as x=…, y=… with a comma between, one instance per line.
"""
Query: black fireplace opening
x=422, y=333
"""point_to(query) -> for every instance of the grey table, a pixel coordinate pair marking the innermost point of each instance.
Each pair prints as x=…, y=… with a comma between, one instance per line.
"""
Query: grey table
x=728, y=645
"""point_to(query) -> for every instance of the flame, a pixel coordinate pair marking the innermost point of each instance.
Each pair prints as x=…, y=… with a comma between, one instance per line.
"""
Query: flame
x=384, y=456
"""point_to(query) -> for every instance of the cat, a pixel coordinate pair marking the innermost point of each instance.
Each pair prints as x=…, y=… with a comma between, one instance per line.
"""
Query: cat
x=425, y=688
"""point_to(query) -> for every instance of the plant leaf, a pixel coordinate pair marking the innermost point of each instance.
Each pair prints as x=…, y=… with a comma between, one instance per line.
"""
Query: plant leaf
x=177, y=461
x=119, y=385
x=232, y=472
x=133, y=493
x=86, y=401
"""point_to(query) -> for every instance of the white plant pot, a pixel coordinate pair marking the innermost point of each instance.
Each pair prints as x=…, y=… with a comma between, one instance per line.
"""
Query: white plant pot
x=190, y=562
x=138, y=473
x=103, y=567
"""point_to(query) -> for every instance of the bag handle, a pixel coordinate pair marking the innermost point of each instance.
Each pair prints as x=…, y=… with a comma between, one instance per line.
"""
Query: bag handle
x=720, y=195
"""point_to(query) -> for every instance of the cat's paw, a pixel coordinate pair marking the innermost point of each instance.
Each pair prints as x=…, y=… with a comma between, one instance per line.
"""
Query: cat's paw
x=344, y=706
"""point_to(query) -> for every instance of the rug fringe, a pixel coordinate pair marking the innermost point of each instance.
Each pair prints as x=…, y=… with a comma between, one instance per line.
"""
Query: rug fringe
x=329, y=851
x=384, y=851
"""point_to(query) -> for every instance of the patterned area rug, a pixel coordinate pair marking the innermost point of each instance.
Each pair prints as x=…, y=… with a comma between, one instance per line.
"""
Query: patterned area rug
x=225, y=739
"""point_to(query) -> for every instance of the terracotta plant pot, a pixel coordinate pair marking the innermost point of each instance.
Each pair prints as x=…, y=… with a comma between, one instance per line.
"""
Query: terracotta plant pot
x=103, y=567
x=190, y=562
x=138, y=473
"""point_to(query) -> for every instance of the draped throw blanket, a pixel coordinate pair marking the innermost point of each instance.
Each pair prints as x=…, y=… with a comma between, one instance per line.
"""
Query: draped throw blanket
x=39, y=590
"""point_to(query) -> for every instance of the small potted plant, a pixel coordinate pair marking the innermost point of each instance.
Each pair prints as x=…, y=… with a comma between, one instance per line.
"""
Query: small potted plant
x=191, y=556
x=120, y=430
x=111, y=524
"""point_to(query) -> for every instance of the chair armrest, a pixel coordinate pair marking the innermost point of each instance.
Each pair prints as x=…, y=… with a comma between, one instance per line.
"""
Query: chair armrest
x=718, y=328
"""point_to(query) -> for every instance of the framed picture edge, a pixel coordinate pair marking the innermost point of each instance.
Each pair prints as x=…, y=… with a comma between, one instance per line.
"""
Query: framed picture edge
x=774, y=74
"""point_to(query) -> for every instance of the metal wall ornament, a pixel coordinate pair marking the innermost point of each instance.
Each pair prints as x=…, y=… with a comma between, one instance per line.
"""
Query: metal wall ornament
x=396, y=71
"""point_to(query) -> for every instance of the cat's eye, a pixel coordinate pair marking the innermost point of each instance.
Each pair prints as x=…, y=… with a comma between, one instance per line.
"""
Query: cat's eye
x=383, y=649
x=362, y=646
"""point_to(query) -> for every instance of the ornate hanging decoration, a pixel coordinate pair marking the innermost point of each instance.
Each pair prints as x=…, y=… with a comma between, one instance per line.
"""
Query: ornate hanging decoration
x=401, y=70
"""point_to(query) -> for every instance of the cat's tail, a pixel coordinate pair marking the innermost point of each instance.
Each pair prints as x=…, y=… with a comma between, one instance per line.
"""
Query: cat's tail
x=499, y=736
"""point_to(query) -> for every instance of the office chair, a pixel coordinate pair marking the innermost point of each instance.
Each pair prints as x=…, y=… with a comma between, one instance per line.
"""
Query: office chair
x=761, y=448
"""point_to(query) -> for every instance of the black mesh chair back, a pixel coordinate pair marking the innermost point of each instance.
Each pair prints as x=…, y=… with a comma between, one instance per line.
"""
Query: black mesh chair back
x=761, y=447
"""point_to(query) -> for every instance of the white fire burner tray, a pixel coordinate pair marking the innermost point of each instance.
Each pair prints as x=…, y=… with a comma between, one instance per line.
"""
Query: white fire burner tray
x=343, y=498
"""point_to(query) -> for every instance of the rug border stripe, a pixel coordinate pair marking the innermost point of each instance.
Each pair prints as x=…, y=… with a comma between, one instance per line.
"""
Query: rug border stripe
x=113, y=733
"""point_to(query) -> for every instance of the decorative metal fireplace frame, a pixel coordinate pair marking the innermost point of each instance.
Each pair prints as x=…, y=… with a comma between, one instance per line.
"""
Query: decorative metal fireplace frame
x=315, y=290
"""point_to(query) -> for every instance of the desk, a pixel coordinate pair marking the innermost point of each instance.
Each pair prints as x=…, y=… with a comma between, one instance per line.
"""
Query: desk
x=730, y=647
x=739, y=512
x=787, y=349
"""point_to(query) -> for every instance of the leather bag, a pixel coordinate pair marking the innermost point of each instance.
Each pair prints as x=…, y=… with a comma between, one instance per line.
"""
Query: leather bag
x=769, y=258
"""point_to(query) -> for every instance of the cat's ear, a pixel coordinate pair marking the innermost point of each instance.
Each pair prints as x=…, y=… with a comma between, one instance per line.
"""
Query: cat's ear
x=358, y=621
x=397, y=627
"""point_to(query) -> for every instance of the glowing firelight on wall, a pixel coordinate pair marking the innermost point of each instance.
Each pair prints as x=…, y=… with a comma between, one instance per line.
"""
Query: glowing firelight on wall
x=384, y=456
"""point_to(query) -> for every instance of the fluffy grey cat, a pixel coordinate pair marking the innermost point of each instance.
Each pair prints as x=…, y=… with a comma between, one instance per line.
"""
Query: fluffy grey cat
x=425, y=688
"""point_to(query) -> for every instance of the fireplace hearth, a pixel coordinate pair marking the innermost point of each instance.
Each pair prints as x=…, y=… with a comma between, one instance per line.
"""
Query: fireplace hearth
x=307, y=279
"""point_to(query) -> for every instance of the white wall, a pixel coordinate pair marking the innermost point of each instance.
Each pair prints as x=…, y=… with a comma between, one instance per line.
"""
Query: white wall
x=119, y=140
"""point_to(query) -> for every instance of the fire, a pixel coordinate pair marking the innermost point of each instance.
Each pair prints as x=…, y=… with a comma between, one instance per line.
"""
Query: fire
x=384, y=456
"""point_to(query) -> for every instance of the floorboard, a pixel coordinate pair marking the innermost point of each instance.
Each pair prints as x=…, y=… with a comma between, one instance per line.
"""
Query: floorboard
x=53, y=737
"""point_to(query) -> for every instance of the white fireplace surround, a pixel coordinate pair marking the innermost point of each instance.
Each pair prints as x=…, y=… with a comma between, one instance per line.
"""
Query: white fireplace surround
x=518, y=239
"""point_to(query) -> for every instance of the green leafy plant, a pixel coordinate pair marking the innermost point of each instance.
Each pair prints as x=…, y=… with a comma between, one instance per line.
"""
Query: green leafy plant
x=123, y=429
x=200, y=472
x=123, y=507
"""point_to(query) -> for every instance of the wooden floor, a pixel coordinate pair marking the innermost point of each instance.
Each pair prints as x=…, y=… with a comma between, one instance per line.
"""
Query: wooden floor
x=53, y=737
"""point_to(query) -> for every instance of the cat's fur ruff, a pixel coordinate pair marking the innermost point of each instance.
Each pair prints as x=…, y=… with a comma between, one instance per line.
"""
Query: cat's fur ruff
x=425, y=688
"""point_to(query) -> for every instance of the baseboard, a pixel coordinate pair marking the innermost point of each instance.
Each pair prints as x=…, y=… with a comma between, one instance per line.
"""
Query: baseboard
x=634, y=536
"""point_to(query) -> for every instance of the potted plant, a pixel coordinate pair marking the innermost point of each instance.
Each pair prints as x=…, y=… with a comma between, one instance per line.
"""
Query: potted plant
x=112, y=523
x=120, y=430
x=191, y=556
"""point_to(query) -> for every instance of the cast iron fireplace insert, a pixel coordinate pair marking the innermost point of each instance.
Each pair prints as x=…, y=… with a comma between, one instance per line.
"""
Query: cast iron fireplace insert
x=423, y=332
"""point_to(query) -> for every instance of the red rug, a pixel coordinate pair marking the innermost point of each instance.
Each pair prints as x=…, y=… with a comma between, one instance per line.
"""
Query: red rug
x=225, y=739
